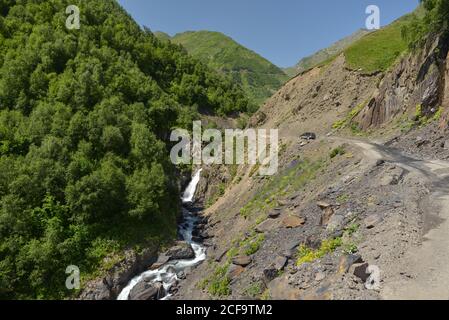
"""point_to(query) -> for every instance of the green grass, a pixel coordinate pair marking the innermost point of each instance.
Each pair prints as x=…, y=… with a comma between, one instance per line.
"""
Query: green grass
x=339, y=151
x=253, y=244
x=254, y=290
x=343, y=123
x=308, y=255
x=378, y=51
x=280, y=186
x=218, y=284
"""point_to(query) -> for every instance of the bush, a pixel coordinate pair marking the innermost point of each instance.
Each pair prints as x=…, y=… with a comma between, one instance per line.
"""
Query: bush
x=339, y=151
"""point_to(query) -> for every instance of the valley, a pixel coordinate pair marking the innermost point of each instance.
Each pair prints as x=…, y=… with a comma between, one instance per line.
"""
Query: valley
x=358, y=208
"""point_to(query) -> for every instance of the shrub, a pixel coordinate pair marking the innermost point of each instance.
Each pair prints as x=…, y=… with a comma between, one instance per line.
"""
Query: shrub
x=339, y=151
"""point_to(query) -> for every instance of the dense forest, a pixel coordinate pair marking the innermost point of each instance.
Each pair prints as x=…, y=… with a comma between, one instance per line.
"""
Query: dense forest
x=84, y=120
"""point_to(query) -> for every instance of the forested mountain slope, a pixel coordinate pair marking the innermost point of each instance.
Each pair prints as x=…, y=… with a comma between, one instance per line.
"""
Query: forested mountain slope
x=257, y=76
x=84, y=120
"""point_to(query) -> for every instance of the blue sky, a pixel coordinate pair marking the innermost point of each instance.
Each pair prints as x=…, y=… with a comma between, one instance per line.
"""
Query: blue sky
x=283, y=31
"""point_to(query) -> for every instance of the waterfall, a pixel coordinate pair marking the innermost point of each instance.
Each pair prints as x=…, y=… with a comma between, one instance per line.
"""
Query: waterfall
x=167, y=274
x=189, y=193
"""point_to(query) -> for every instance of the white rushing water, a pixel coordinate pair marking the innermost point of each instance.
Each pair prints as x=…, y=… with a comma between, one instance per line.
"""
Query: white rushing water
x=168, y=274
x=189, y=193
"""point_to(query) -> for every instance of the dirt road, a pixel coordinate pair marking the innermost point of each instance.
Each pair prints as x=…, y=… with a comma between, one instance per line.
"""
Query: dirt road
x=428, y=264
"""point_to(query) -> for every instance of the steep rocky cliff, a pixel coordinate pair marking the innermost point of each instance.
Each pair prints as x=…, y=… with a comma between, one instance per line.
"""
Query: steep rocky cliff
x=417, y=80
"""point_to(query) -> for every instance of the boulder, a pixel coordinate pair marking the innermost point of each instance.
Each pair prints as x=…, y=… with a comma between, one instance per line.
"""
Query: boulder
x=182, y=251
x=97, y=291
x=279, y=263
x=323, y=205
x=220, y=254
x=347, y=261
x=269, y=275
x=289, y=249
x=284, y=203
x=274, y=214
x=161, y=260
x=242, y=261
x=147, y=291
x=335, y=223
x=292, y=222
x=234, y=271
x=360, y=271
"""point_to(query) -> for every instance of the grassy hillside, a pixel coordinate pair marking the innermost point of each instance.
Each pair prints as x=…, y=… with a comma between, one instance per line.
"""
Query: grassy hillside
x=378, y=50
x=84, y=158
x=325, y=54
x=258, y=77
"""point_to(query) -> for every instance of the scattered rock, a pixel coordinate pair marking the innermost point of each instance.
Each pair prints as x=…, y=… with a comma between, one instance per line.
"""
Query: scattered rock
x=323, y=205
x=197, y=239
x=335, y=223
x=283, y=203
x=446, y=145
x=242, y=261
x=372, y=221
x=162, y=259
x=182, y=251
x=269, y=275
x=279, y=263
x=420, y=141
x=292, y=222
x=147, y=291
x=281, y=290
x=290, y=248
x=327, y=215
x=393, y=177
x=320, y=276
x=274, y=214
x=234, y=271
x=347, y=261
x=360, y=271
x=220, y=254
x=321, y=294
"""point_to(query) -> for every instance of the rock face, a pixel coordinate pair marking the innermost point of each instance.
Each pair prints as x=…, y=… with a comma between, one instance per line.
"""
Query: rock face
x=445, y=119
x=416, y=80
x=109, y=287
x=147, y=291
x=182, y=251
